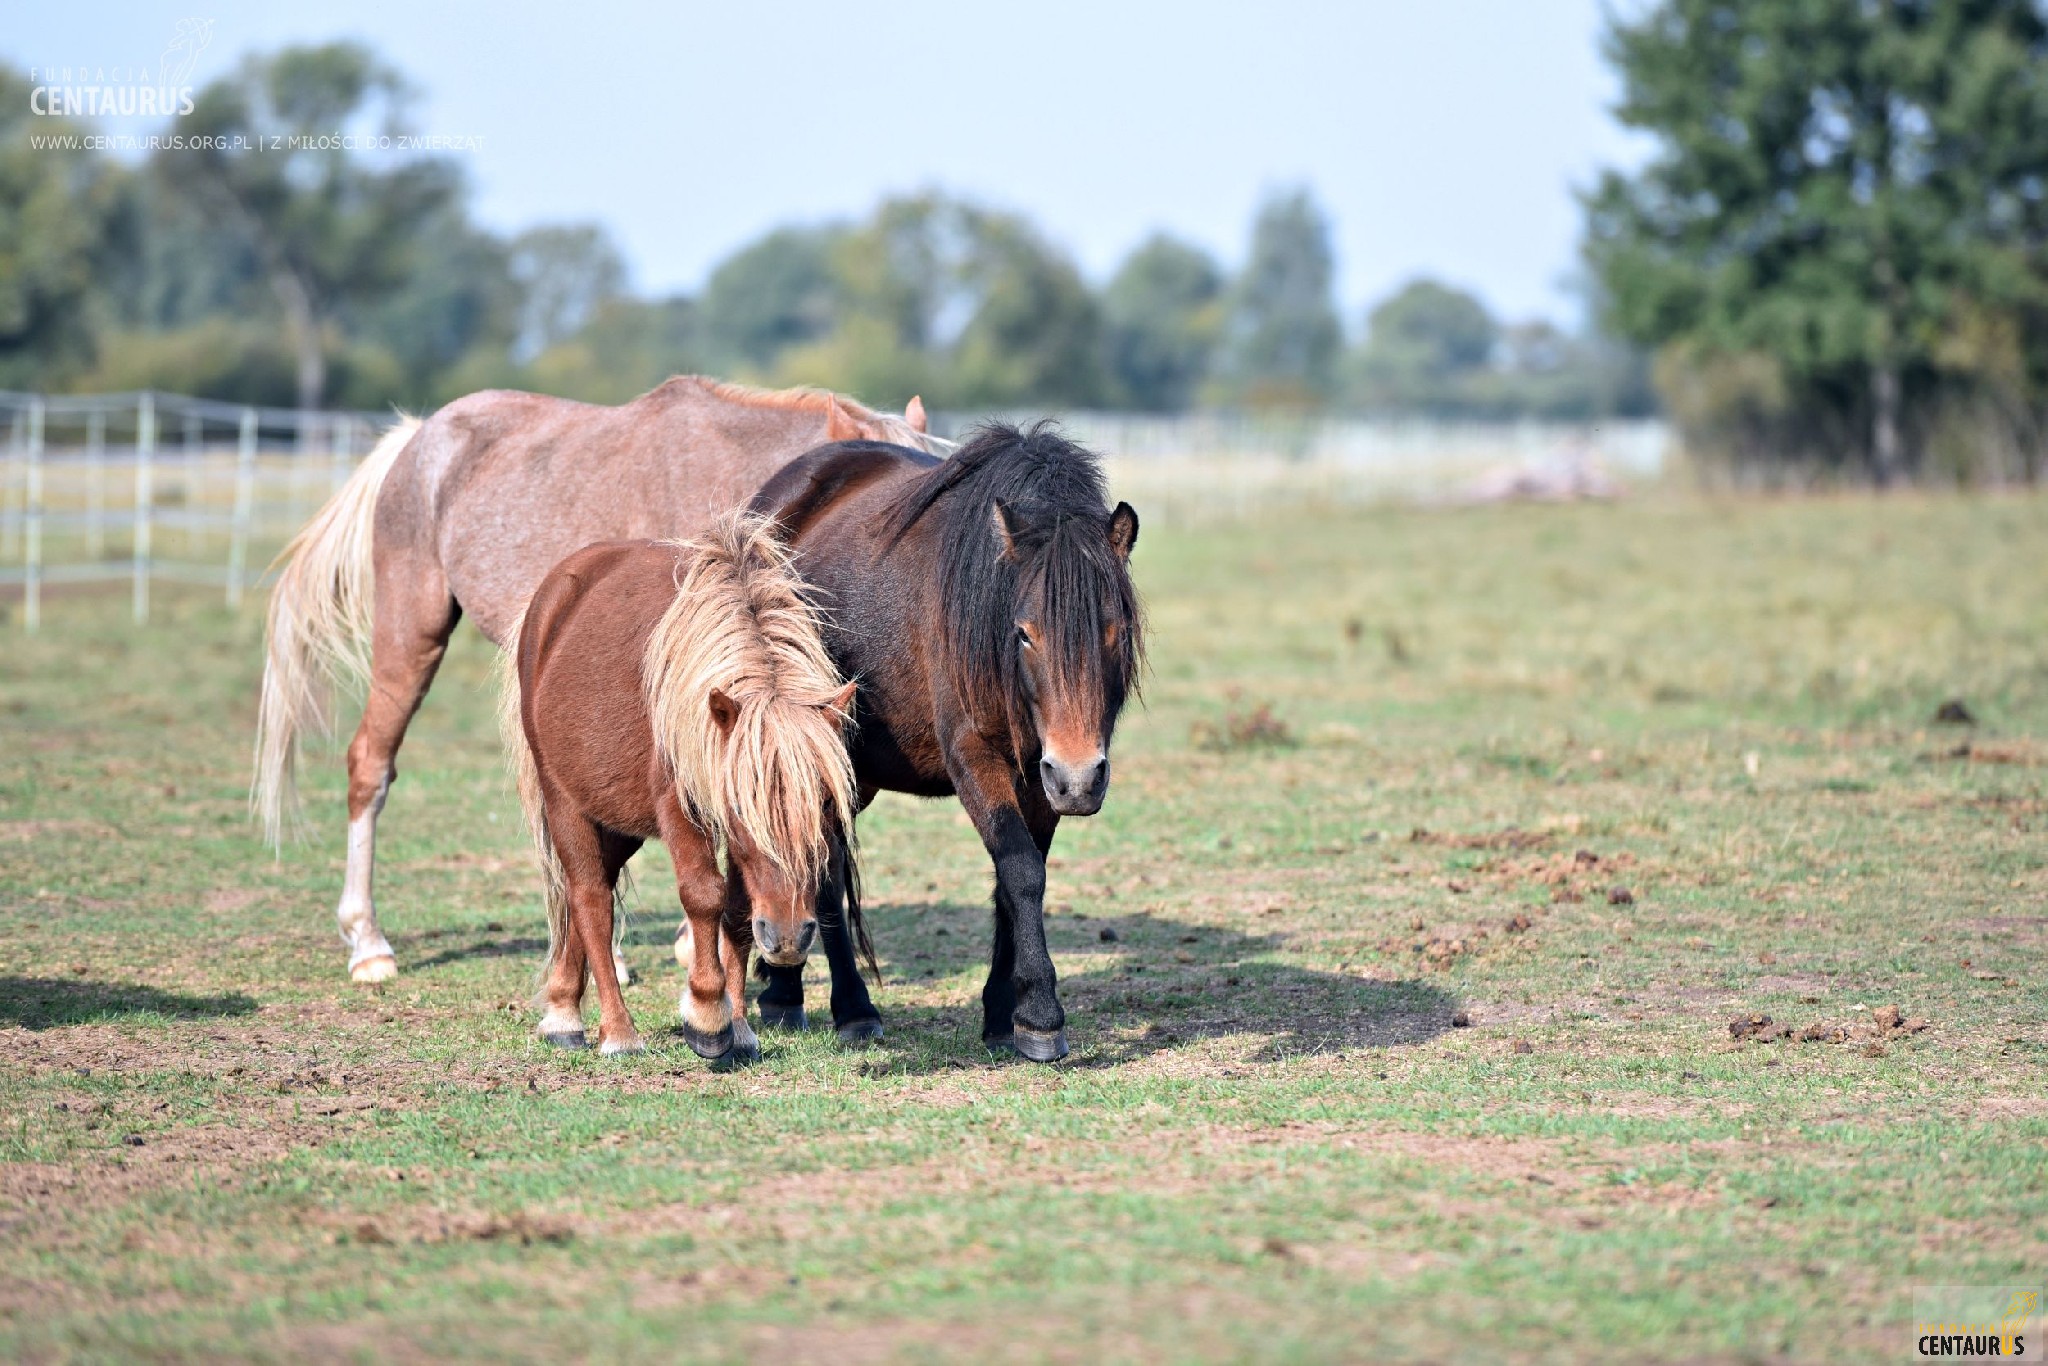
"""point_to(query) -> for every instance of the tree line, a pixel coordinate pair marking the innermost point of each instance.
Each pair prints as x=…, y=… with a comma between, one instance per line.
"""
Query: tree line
x=321, y=276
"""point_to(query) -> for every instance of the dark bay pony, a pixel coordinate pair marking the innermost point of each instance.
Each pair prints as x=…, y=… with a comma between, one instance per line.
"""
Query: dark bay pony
x=985, y=606
x=679, y=691
x=463, y=514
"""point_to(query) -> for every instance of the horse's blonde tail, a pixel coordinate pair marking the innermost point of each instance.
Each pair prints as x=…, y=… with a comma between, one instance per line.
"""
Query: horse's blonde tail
x=519, y=758
x=319, y=628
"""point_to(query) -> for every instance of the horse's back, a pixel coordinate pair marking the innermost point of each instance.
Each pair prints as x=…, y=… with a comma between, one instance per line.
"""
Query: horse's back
x=502, y=484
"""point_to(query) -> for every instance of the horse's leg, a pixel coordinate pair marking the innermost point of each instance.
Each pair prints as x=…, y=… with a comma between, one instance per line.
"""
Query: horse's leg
x=415, y=614
x=589, y=878
x=1020, y=1003
x=735, y=945
x=854, y=1016
x=705, y=1006
x=562, y=1025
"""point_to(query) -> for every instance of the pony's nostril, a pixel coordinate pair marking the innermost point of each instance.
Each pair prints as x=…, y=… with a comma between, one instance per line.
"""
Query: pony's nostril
x=1049, y=774
x=765, y=937
x=806, y=935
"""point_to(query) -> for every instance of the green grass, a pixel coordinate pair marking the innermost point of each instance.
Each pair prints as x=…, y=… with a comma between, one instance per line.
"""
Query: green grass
x=1272, y=1141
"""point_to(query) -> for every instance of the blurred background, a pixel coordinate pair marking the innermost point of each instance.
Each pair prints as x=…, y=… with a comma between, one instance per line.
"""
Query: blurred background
x=1799, y=243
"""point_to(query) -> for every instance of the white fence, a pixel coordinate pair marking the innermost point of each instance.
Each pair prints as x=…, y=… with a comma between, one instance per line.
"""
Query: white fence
x=1202, y=467
x=144, y=487
x=148, y=487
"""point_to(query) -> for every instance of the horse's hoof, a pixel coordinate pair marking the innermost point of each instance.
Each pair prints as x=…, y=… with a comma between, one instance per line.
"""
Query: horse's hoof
x=712, y=1046
x=568, y=1039
x=783, y=1017
x=612, y=1048
x=1040, y=1046
x=744, y=1053
x=860, y=1033
x=371, y=971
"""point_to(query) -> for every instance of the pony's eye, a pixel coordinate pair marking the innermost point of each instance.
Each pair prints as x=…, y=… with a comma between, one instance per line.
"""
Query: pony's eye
x=1024, y=636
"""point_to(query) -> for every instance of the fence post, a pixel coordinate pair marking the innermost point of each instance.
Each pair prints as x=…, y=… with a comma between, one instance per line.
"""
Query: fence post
x=145, y=498
x=8, y=511
x=194, y=468
x=245, y=501
x=338, y=461
x=95, y=495
x=32, y=577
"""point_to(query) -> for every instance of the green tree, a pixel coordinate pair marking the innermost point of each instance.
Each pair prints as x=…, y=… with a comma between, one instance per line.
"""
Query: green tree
x=1844, y=216
x=775, y=293
x=1424, y=344
x=60, y=214
x=564, y=275
x=328, y=230
x=1282, y=336
x=1162, y=315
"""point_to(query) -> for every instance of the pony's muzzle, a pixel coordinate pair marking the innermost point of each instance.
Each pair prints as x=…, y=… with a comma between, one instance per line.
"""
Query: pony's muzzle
x=1075, y=789
x=784, y=950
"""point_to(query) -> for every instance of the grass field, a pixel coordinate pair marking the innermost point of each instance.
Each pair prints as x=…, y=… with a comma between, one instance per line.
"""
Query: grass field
x=1412, y=1039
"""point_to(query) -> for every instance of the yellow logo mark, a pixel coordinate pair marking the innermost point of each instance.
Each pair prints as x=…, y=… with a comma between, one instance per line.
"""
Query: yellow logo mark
x=2017, y=1311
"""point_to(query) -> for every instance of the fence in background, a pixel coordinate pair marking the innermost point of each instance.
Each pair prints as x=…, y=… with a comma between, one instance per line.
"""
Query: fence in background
x=151, y=487
x=146, y=486
x=1200, y=468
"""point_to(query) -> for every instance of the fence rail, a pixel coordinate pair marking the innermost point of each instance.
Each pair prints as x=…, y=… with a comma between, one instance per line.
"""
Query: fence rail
x=146, y=486
x=152, y=487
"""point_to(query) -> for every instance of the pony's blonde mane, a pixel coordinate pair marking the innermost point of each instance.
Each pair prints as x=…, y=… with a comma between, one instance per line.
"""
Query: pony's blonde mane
x=806, y=398
x=740, y=624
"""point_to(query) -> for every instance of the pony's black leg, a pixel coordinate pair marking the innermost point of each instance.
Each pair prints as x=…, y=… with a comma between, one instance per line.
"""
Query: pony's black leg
x=854, y=1016
x=1021, y=1004
x=781, y=1002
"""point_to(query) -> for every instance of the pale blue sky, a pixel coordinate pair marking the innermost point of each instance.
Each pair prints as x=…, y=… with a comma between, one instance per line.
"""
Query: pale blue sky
x=1442, y=138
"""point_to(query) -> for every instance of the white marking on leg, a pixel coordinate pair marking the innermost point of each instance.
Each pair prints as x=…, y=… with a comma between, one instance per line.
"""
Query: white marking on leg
x=707, y=1017
x=560, y=1020
x=683, y=947
x=370, y=958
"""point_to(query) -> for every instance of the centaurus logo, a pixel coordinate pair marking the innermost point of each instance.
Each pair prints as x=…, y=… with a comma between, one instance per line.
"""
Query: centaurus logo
x=1976, y=1323
x=148, y=89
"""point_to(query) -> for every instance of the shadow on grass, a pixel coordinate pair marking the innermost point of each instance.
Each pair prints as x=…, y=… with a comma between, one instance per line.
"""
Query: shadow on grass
x=1157, y=985
x=53, y=1002
x=520, y=946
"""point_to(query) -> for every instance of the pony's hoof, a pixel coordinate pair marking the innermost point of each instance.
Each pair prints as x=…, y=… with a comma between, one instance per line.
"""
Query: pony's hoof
x=1040, y=1046
x=371, y=971
x=783, y=1017
x=712, y=1046
x=744, y=1053
x=612, y=1048
x=1000, y=1045
x=860, y=1033
x=568, y=1039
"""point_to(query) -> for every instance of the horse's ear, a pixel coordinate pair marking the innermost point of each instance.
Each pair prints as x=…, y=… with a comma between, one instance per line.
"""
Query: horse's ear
x=913, y=413
x=842, y=701
x=840, y=425
x=724, y=711
x=1123, y=530
x=1005, y=530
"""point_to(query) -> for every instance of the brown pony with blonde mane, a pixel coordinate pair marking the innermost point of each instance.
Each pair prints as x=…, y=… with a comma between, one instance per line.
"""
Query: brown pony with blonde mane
x=462, y=514
x=679, y=690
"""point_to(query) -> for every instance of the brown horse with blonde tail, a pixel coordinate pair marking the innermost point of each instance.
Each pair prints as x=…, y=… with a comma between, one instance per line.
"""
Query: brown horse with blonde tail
x=463, y=514
x=679, y=691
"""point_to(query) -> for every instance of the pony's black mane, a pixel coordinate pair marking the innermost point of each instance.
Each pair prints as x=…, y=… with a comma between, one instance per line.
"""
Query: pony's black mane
x=1053, y=497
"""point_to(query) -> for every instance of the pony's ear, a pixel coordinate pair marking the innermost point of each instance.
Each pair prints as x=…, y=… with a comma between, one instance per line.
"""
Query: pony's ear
x=724, y=711
x=1123, y=530
x=840, y=425
x=842, y=701
x=1005, y=530
x=913, y=413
